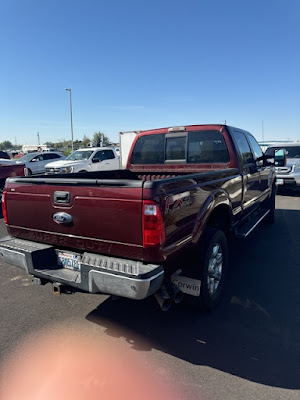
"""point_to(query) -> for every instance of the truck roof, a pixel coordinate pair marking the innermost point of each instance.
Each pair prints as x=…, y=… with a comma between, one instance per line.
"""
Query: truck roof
x=185, y=128
x=280, y=144
x=95, y=148
x=181, y=128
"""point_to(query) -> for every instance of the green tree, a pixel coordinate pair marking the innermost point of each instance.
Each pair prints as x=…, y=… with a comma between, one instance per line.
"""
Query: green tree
x=6, y=145
x=85, y=141
x=77, y=144
x=100, y=137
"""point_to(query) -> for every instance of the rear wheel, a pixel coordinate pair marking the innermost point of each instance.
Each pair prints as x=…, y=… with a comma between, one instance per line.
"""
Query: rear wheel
x=212, y=267
x=28, y=172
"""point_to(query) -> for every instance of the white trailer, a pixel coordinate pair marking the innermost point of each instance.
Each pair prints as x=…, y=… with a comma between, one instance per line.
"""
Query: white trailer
x=30, y=148
x=126, y=140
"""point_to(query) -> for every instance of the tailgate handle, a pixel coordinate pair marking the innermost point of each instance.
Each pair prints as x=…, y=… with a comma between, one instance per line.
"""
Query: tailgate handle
x=61, y=197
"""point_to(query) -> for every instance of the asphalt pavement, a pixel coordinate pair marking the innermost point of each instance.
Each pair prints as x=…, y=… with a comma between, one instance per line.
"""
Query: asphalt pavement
x=248, y=348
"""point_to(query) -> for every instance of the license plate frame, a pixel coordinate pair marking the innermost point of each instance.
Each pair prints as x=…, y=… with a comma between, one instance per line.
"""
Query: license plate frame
x=69, y=260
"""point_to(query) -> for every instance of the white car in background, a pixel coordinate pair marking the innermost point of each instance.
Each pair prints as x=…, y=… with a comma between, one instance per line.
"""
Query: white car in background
x=86, y=160
x=35, y=163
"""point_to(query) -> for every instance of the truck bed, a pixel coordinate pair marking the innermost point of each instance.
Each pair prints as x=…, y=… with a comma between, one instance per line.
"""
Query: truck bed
x=106, y=208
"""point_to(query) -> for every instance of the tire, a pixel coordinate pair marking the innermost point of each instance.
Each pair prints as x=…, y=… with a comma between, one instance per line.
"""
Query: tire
x=270, y=205
x=212, y=265
x=29, y=172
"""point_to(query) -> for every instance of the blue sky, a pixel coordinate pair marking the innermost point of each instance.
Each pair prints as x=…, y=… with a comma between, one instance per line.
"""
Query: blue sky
x=148, y=64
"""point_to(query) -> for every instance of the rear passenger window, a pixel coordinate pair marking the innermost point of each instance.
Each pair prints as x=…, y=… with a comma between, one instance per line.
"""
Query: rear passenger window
x=54, y=156
x=243, y=147
x=50, y=156
x=207, y=147
x=149, y=149
x=255, y=147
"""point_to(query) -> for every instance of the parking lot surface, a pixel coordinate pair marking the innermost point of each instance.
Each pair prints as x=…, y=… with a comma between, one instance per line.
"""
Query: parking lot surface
x=248, y=348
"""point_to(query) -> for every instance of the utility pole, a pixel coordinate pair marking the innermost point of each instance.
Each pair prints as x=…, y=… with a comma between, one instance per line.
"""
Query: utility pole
x=38, y=136
x=71, y=115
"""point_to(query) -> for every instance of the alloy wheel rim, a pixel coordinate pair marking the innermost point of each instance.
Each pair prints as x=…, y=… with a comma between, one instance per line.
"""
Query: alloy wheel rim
x=215, y=269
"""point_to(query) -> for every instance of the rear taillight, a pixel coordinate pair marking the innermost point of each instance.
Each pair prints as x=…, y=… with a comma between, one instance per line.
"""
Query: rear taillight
x=4, y=209
x=153, y=225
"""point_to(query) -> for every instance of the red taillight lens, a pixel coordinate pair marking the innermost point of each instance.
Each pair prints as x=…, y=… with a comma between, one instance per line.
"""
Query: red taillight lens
x=4, y=210
x=153, y=225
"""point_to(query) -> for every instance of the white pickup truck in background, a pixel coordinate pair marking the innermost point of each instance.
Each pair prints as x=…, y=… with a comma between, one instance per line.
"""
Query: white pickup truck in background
x=287, y=176
x=86, y=160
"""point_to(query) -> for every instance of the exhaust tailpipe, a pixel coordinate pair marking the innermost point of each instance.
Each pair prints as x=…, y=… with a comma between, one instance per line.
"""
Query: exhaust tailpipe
x=57, y=288
x=163, y=299
x=175, y=293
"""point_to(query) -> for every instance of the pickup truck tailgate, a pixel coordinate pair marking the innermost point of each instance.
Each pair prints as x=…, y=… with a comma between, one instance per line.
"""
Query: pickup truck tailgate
x=103, y=217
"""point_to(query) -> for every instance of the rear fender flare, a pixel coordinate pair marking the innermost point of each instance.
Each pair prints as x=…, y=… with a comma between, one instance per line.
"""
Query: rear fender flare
x=215, y=200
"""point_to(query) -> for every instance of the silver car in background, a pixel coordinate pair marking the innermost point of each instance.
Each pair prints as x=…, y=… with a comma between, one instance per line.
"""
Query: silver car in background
x=288, y=177
x=35, y=163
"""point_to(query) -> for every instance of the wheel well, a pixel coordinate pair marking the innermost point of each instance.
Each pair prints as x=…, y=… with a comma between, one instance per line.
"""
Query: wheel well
x=220, y=218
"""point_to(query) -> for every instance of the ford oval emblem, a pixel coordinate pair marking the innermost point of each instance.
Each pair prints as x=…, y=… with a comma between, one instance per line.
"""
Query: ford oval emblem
x=62, y=218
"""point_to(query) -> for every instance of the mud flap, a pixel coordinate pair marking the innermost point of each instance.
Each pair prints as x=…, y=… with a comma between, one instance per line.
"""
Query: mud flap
x=187, y=285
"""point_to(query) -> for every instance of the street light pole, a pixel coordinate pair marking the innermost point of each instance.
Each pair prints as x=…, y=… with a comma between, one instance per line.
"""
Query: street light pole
x=70, y=91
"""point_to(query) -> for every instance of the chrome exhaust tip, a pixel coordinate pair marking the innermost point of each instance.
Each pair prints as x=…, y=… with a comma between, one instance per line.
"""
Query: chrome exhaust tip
x=175, y=293
x=57, y=288
x=163, y=299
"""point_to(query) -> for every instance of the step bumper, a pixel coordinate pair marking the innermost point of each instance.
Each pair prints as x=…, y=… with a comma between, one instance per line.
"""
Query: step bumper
x=96, y=274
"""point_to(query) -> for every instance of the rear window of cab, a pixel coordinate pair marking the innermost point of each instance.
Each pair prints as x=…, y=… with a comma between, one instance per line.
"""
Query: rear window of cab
x=195, y=147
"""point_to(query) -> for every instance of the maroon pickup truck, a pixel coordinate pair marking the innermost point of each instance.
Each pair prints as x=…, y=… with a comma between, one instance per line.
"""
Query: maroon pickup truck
x=159, y=227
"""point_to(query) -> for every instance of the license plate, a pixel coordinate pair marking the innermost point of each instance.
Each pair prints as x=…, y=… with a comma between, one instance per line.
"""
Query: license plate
x=280, y=181
x=69, y=260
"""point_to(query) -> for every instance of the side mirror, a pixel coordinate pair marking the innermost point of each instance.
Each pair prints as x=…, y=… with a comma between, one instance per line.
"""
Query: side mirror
x=253, y=169
x=280, y=158
x=275, y=157
x=95, y=160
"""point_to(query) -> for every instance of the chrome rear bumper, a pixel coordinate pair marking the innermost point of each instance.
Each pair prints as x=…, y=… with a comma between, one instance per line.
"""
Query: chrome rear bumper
x=97, y=274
